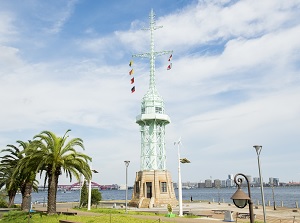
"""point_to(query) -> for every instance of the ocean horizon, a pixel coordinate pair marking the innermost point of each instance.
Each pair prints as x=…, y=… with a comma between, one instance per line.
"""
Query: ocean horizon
x=286, y=196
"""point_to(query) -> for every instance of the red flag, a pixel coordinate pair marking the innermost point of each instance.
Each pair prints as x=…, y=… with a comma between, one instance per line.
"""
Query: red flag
x=170, y=58
x=169, y=67
x=131, y=72
x=133, y=89
x=132, y=80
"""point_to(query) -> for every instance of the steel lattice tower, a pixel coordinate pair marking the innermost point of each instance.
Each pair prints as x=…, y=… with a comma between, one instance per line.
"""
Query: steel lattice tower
x=152, y=119
x=153, y=185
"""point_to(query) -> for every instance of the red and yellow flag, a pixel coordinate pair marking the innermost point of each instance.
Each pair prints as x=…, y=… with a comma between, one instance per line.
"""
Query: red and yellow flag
x=131, y=72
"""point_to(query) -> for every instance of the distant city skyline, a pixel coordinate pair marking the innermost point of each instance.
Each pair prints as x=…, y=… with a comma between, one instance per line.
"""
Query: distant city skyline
x=254, y=181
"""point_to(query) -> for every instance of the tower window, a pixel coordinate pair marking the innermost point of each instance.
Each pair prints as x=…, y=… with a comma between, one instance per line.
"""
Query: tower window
x=163, y=187
x=143, y=110
x=158, y=110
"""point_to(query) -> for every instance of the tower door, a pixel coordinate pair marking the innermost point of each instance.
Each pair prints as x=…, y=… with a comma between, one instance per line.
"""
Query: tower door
x=149, y=189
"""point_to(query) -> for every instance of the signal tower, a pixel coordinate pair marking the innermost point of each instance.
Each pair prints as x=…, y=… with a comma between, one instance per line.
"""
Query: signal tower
x=153, y=183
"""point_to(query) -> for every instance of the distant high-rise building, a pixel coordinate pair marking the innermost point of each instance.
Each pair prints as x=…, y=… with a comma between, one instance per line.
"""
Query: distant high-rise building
x=229, y=183
x=274, y=181
x=201, y=185
x=217, y=183
x=223, y=183
x=208, y=183
x=230, y=176
x=271, y=181
x=256, y=180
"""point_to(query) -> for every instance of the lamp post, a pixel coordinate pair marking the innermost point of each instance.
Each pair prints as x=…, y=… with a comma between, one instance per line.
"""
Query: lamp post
x=126, y=164
x=240, y=199
x=80, y=187
x=90, y=191
x=258, y=150
x=274, y=204
x=183, y=160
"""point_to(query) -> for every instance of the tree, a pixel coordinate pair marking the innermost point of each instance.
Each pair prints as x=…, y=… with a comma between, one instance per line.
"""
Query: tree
x=3, y=203
x=7, y=165
x=83, y=195
x=52, y=154
x=96, y=197
x=26, y=176
x=17, y=176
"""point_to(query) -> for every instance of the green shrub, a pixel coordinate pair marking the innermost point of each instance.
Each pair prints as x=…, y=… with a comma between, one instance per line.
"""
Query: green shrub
x=3, y=202
x=96, y=197
x=84, y=196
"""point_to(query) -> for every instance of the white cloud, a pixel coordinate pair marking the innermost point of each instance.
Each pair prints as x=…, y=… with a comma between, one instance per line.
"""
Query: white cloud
x=9, y=60
x=234, y=83
x=212, y=22
x=62, y=17
x=7, y=30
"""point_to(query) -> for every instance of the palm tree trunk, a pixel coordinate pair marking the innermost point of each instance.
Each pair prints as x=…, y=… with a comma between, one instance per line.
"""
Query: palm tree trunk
x=26, y=196
x=11, y=197
x=51, y=209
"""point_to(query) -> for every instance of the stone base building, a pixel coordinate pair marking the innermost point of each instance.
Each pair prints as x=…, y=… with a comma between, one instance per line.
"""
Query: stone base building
x=153, y=188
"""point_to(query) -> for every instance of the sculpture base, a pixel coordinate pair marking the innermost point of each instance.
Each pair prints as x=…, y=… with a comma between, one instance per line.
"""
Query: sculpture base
x=153, y=188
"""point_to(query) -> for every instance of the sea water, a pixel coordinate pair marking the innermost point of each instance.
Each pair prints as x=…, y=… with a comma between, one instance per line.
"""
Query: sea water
x=288, y=196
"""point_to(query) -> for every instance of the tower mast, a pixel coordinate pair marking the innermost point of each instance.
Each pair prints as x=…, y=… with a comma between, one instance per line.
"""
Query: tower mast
x=153, y=183
x=152, y=54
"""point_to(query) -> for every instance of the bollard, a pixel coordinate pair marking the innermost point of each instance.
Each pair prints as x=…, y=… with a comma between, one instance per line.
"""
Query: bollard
x=257, y=202
x=281, y=203
x=296, y=203
x=269, y=203
x=228, y=216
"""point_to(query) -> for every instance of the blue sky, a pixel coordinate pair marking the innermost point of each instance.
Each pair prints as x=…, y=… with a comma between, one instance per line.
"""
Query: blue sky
x=234, y=81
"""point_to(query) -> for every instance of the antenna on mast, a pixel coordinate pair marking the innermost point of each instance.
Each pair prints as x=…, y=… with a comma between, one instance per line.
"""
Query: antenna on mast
x=152, y=54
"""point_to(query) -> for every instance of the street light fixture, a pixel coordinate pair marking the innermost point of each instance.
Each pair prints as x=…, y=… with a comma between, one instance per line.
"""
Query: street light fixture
x=90, y=191
x=240, y=199
x=180, y=160
x=258, y=150
x=185, y=160
x=126, y=164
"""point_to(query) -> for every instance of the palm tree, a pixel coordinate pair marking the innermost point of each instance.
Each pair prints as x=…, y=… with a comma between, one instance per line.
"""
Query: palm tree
x=7, y=166
x=18, y=176
x=27, y=176
x=54, y=155
x=5, y=179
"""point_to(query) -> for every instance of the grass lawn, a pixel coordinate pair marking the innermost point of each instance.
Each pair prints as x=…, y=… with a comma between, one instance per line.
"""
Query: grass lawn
x=107, y=216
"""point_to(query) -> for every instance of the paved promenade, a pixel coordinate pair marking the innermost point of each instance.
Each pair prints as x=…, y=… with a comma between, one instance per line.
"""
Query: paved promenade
x=211, y=212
